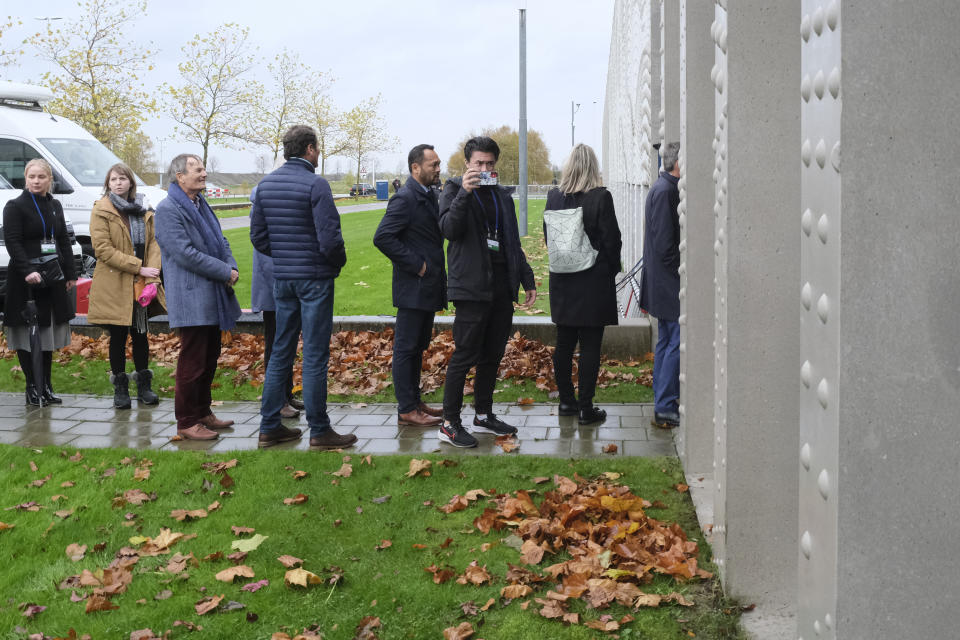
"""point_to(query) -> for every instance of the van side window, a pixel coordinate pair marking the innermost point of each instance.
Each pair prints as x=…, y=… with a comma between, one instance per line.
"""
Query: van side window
x=14, y=156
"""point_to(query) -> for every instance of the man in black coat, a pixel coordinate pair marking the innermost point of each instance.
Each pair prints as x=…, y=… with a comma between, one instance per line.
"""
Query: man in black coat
x=660, y=285
x=409, y=234
x=487, y=266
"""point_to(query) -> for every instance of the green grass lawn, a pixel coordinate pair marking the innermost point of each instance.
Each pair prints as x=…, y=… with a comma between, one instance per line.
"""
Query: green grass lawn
x=373, y=527
x=364, y=285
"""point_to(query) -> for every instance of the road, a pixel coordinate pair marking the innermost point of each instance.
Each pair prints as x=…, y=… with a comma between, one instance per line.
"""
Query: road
x=244, y=221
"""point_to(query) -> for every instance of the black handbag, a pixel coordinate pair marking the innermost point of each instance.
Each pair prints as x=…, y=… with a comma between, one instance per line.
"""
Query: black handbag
x=49, y=269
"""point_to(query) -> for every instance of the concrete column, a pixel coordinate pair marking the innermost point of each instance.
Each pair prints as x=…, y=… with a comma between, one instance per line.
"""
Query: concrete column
x=670, y=70
x=695, y=436
x=757, y=335
x=880, y=365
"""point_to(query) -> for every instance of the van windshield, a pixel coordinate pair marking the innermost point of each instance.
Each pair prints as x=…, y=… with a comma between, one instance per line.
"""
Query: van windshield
x=87, y=160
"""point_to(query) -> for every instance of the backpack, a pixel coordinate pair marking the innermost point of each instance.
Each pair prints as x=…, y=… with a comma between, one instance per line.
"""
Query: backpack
x=568, y=246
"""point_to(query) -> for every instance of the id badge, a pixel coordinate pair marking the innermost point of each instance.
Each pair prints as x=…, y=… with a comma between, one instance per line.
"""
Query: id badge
x=48, y=248
x=493, y=244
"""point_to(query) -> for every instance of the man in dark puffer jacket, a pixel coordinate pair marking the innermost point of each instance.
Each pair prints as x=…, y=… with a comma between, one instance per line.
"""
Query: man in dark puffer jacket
x=295, y=221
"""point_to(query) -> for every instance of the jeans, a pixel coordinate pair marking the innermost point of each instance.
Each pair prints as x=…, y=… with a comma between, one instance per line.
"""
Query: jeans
x=302, y=306
x=269, y=334
x=590, y=339
x=196, y=367
x=411, y=338
x=666, y=367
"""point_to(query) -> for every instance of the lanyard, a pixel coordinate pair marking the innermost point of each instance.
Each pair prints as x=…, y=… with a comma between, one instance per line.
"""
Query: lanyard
x=42, y=221
x=496, y=207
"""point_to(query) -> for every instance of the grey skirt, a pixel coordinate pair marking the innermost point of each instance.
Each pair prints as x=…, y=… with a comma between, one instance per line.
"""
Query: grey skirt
x=54, y=337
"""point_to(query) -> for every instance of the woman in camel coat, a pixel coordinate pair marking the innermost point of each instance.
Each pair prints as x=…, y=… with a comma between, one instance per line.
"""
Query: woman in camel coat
x=128, y=258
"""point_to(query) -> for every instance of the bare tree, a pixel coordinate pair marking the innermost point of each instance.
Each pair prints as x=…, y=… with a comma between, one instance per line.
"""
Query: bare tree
x=213, y=164
x=261, y=163
x=212, y=103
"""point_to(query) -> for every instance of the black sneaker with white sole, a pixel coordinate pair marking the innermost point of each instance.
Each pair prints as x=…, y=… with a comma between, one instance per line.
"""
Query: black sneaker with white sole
x=452, y=432
x=492, y=424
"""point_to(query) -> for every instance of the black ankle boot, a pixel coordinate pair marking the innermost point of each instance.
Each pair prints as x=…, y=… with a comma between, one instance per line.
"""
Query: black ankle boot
x=32, y=395
x=48, y=397
x=145, y=394
x=121, y=390
x=591, y=415
x=568, y=407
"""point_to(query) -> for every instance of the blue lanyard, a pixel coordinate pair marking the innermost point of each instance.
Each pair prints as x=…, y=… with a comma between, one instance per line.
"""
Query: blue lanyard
x=496, y=207
x=42, y=221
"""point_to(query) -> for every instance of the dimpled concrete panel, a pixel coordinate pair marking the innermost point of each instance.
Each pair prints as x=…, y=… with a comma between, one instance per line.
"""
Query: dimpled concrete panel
x=818, y=296
x=631, y=109
x=718, y=75
x=695, y=436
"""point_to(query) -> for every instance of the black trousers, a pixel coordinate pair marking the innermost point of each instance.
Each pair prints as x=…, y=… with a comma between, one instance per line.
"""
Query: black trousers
x=480, y=334
x=590, y=339
x=411, y=337
x=269, y=333
x=118, y=348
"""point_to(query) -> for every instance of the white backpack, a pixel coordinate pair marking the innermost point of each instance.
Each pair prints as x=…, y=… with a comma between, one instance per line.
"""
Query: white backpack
x=568, y=246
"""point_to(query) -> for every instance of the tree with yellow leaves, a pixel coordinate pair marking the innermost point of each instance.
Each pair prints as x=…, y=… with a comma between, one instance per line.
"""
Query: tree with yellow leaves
x=213, y=102
x=508, y=166
x=365, y=131
x=95, y=81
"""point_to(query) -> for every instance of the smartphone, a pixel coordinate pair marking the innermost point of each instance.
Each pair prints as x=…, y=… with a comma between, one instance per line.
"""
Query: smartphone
x=488, y=178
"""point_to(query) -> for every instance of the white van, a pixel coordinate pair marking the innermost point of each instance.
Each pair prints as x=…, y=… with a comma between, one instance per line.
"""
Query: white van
x=80, y=162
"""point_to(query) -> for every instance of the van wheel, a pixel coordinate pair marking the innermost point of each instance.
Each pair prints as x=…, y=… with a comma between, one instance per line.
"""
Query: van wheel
x=88, y=263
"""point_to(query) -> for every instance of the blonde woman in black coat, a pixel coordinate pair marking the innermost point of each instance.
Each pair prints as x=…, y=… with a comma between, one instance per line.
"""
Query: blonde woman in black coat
x=34, y=226
x=583, y=303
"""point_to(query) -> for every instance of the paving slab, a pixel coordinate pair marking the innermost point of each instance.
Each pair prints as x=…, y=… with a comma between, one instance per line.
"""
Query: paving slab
x=91, y=421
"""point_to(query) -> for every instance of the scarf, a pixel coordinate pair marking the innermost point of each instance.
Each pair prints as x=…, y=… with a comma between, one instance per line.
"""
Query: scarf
x=203, y=218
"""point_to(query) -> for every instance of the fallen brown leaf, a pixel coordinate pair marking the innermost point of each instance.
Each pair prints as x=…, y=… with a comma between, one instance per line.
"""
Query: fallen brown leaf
x=232, y=573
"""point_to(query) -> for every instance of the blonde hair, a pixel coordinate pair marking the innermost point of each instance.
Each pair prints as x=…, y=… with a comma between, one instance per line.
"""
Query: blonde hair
x=40, y=162
x=581, y=171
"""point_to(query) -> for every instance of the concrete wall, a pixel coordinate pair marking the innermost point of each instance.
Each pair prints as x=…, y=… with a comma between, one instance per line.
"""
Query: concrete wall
x=881, y=437
x=695, y=436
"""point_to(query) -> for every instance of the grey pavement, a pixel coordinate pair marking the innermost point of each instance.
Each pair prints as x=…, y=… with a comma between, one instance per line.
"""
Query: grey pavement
x=84, y=421
x=239, y=222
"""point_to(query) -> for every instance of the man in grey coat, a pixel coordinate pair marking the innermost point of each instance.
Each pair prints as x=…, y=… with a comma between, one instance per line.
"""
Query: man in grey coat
x=660, y=285
x=199, y=272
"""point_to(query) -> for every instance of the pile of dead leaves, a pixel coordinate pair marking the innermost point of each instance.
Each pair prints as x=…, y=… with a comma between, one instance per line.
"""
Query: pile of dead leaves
x=613, y=546
x=360, y=361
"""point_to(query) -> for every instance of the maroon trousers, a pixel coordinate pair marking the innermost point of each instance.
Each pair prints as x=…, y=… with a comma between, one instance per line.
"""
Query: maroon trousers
x=196, y=366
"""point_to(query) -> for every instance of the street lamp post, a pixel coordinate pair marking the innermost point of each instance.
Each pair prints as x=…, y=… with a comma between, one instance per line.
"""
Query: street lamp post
x=572, y=113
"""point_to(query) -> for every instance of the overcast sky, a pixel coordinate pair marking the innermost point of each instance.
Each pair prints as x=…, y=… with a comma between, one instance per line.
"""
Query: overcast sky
x=445, y=68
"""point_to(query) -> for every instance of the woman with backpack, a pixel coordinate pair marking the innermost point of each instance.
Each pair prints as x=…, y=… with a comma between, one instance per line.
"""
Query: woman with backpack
x=583, y=239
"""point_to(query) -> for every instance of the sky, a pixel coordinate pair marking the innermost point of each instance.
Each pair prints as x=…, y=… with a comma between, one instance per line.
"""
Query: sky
x=444, y=68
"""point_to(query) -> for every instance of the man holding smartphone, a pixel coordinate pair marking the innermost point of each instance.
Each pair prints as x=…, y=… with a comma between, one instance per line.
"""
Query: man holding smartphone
x=486, y=266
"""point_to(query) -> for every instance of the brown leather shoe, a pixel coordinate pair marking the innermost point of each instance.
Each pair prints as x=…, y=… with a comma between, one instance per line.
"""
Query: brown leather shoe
x=289, y=412
x=417, y=418
x=330, y=439
x=212, y=422
x=278, y=435
x=430, y=411
x=197, y=432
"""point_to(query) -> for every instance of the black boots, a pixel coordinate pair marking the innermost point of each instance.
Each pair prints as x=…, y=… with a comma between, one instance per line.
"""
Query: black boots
x=145, y=394
x=33, y=396
x=121, y=392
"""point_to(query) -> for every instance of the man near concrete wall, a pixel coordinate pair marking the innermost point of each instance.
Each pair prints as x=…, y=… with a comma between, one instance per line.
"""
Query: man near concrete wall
x=295, y=221
x=660, y=285
x=409, y=234
x=487, y=266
